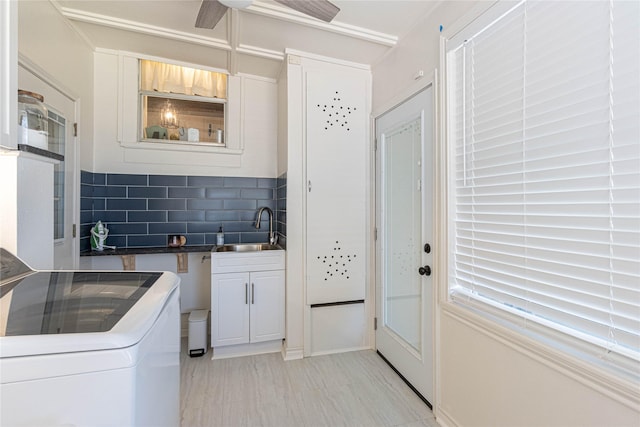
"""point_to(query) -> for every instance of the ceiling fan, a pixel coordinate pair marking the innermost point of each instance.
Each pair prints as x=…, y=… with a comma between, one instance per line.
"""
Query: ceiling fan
x=211, y=11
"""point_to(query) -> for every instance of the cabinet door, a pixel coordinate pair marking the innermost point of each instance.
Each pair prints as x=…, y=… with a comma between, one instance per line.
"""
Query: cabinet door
x=229, y=309
x=267, y=305
x=337, y=155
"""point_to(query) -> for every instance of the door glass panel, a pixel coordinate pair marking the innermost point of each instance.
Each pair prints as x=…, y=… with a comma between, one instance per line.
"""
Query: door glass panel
x=402, y=213
x=57, y=134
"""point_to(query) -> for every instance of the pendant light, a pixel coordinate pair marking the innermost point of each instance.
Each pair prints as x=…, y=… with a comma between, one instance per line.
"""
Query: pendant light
x=168, y=116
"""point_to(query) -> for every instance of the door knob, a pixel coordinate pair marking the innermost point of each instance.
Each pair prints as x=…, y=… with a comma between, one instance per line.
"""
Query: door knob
x=425, y=271
x=427, y=248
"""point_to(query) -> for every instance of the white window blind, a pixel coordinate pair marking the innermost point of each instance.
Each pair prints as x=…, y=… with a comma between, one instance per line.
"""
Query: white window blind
x=544, y=186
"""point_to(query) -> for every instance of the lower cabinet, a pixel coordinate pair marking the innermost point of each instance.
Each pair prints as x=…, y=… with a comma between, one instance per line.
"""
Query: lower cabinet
x=247, y=307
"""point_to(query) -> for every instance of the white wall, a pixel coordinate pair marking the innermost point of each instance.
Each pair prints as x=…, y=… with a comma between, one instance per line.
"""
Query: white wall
x=418, y=50
x=485, y=379
x=195, y=284
x=47, y=40
x=254, y=104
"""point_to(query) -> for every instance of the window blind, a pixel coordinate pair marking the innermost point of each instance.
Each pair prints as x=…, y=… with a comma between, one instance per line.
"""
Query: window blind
x=544, y=183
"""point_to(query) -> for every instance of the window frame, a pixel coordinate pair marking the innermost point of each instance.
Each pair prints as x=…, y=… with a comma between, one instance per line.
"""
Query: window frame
x=179, y=96
x=128, y=137
x=551, y=346
x=175, y=96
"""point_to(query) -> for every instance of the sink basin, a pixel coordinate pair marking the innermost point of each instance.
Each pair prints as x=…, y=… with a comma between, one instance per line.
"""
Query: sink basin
x=247, y=247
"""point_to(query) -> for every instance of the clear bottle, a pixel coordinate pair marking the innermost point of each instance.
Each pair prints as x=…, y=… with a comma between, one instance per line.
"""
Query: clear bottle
x=33, y=123
x=220, y=237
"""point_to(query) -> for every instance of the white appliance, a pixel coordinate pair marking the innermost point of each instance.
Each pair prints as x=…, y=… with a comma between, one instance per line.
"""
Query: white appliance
x=88, y=348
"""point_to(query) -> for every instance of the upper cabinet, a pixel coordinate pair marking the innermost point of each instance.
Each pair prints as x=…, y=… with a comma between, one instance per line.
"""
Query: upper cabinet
x=8, y=74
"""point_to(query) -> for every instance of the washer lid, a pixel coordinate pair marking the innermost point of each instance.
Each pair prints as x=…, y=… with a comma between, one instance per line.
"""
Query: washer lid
x=11, y=267
x=69, y=311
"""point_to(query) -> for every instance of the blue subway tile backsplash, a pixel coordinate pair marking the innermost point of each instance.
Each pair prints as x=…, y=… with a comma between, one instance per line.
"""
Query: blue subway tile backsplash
x=168, y=180
x=142, y=210
x=147, y=192
x=186, y=192
x=146, y=216
x=204, y=181
x=184, y=216
x=167, y=204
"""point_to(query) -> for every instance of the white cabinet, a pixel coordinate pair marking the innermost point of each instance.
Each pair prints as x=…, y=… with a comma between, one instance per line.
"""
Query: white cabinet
x=337, y=119
x=247, y=307
x=330, y=156
x=247, y=300
x=8, y=74
x=325, y=123
x=26, y=207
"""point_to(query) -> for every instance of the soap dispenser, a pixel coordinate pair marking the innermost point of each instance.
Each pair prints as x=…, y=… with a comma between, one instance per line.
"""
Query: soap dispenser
x=220, y=237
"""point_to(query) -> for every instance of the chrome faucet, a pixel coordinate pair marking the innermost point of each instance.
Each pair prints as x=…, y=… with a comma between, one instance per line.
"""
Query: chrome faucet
x=272, y=236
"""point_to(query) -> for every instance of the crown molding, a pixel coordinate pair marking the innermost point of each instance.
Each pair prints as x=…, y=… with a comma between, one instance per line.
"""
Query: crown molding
x=260, y=52
x=73, y=27
x=323, y=58
x=138, y=27
x=290, y=15
x=232, y=45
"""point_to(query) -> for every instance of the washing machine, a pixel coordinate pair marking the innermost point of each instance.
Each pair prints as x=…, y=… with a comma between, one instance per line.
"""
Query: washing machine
x=88, y=348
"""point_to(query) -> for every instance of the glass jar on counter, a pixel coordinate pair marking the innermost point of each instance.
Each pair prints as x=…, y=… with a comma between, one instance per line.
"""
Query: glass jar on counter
x=33, y=123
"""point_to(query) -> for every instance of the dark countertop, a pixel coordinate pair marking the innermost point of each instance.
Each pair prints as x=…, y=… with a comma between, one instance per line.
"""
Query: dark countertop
x=40, y=152
x=147, y=251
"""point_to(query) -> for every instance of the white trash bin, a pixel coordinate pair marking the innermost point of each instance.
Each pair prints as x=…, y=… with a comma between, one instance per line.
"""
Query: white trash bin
x=198, y=332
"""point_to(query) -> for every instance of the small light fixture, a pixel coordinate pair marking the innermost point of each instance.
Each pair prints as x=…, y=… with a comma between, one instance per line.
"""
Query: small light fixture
x=168, y=116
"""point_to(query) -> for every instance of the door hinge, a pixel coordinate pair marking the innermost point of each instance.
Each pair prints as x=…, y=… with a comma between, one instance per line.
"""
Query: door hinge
x=375, y=323
x=375, y=144
x=73, y=231
x=375, y=233
x=75, y=129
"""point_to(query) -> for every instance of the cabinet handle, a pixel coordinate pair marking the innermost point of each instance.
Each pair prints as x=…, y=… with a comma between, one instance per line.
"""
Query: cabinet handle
x=253, y=287
x=246, y=293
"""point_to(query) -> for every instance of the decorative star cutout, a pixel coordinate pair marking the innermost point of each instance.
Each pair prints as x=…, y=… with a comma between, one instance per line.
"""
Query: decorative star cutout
x=337, y=114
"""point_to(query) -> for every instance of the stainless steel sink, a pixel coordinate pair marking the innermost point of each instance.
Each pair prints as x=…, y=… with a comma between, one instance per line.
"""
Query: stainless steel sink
x=247, y=247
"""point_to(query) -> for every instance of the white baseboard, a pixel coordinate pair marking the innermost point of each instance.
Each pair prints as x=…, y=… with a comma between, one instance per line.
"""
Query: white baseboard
x=339, y=350
x=292, y=353
x=444, y=419
x=252, y=349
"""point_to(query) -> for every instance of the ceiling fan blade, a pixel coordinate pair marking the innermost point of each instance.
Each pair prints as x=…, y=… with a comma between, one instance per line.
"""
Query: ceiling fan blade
x=211, y=11
x=321, y=9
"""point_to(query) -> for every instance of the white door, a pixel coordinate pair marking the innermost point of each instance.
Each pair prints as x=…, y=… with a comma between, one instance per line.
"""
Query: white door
x=267, y=306
x=229, y=309
x=404, y=288
x=61, y=141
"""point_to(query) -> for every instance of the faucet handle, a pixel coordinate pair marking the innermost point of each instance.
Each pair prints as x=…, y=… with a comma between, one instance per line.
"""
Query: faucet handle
x=273, y=239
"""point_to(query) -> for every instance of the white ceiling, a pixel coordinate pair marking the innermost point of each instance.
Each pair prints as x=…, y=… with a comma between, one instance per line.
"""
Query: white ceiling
x=251, y=40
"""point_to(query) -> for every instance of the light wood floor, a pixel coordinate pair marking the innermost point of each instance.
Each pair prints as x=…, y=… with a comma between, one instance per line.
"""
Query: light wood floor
x=347, y=389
